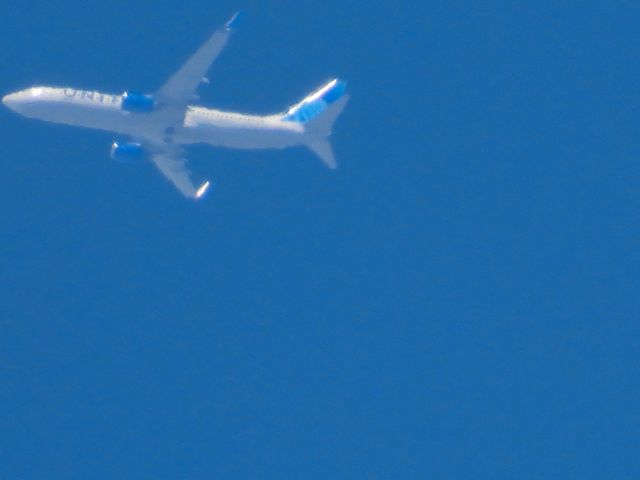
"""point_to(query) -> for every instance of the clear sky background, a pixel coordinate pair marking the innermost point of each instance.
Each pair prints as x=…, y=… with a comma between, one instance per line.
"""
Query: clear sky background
x=458, y=300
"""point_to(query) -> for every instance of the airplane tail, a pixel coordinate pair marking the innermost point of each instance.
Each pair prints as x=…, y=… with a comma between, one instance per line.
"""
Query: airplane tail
x=318, y=112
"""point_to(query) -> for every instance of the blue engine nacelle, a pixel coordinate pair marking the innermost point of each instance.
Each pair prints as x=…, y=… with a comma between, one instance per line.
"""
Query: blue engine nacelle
x=127, y=152
x=137, y=102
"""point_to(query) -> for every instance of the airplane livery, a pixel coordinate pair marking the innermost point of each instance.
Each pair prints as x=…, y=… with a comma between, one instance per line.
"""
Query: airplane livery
x=158, y=126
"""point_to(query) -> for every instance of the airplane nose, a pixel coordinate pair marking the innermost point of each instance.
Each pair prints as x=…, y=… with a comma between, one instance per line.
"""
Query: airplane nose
x=9, y=100
x=12, y=101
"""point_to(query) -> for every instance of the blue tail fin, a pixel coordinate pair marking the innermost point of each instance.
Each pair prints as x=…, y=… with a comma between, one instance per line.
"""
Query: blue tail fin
x=316, y=103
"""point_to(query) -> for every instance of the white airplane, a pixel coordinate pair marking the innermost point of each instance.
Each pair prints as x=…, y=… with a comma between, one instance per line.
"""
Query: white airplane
x=159, y=125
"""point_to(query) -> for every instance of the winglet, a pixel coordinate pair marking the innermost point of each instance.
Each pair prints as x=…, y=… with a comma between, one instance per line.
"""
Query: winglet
x=234, y=22
x=203, y=189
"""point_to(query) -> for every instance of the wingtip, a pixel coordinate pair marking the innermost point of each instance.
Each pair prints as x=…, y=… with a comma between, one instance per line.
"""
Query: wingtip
x=202, y=190
x=235, y=21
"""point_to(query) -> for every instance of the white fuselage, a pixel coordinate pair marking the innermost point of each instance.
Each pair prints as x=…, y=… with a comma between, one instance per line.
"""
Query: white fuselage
x=200, y=125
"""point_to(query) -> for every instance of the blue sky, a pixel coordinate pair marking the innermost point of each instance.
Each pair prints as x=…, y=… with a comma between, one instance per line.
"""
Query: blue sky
x=458, y=300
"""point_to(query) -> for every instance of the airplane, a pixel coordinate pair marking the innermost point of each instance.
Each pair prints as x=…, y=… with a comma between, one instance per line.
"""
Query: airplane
x=159, y=126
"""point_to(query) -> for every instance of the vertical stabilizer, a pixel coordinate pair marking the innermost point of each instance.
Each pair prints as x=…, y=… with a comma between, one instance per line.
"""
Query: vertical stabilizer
x=316, y=103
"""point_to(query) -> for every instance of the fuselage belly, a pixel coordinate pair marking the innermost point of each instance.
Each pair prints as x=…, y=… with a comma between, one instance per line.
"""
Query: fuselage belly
x=102, y=111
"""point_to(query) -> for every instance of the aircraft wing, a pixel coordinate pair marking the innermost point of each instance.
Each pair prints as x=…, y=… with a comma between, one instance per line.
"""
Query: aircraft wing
x=174, y=167
x=182, y=86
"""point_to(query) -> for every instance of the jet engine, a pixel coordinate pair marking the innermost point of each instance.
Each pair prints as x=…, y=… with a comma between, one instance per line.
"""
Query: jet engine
x=127, y=152
x=137, y=102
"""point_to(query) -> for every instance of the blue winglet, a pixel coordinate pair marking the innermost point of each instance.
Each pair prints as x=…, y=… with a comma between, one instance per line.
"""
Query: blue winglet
x=235, y=21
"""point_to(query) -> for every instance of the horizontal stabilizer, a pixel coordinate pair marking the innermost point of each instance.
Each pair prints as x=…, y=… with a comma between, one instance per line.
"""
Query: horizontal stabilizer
x=318, y=130
x=323, y=149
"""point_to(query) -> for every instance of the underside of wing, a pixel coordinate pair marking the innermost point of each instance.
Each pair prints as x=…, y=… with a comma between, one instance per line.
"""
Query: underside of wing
x=174, y=168
x=182, y=86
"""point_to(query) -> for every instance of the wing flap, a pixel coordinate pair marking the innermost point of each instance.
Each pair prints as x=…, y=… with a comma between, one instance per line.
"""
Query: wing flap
x=174, y=168
x=182, y=85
